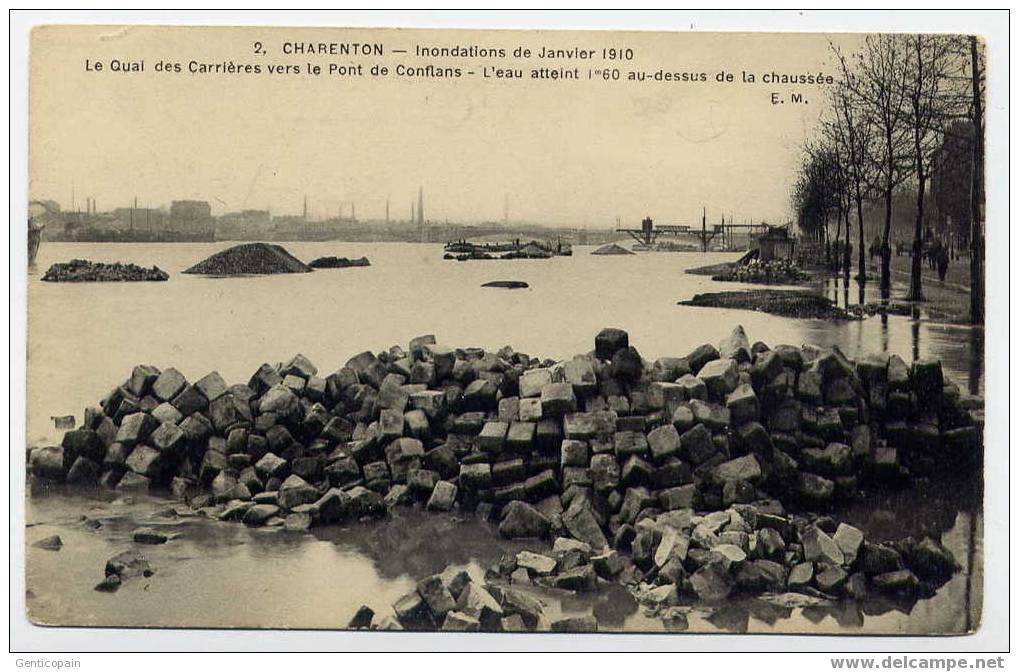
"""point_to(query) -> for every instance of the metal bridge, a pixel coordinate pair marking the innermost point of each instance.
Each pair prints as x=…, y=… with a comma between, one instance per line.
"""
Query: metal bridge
x=648, y=233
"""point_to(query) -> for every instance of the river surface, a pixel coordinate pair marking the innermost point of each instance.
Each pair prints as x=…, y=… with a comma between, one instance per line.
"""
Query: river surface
x=84, y=339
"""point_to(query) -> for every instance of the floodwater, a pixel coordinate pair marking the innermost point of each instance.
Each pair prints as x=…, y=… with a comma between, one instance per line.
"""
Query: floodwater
x=84, y=340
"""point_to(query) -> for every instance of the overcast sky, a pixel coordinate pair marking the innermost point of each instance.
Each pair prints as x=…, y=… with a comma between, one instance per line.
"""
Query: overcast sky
x=576, y=153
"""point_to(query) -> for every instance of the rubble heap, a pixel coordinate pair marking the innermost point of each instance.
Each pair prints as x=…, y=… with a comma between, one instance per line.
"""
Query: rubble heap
x=697, y=475
x=773, y=271
x=82, y=270
x=339, y=262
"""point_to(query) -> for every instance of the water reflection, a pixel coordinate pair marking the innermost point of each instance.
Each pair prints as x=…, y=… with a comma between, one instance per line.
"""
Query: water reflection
x=417, y=543
x=915, y=331
x=960, y=347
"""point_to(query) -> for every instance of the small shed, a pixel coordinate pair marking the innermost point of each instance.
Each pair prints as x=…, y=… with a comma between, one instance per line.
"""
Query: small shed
x=775, y=243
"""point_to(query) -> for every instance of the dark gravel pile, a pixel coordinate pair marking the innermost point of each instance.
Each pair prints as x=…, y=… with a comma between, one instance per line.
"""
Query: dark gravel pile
x=250, y=259
x=611, y=249
x=788, y=303
x=82, y=270
x=339, y=262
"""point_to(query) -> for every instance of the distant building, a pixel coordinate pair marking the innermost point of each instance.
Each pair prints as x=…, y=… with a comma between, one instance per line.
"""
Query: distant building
x=191, y=218
x=775, y=243
x=243, y=225
x=148, y=220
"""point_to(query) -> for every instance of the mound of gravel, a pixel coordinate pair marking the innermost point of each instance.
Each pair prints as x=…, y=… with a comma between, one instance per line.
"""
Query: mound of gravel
x=612, y=248
x=775, y=301
x=250, y=259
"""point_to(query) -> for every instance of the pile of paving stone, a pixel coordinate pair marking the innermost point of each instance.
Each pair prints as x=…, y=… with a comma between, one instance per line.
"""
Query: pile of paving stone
x=699, y=475
x=673, y=563
x=461, y=604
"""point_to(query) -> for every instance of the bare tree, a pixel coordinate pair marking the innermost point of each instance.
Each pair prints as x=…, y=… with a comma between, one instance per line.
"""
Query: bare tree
x=930, y=63
x=855, y=131
x=815, y=193
x=880, y=85
x=976, y=238
x=835, y=144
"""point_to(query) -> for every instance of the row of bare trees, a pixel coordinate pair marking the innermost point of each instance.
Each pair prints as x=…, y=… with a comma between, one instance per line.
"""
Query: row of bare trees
x=898, y=99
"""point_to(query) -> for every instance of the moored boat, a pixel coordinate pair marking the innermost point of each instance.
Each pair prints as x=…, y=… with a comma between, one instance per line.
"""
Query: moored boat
x=35, y=230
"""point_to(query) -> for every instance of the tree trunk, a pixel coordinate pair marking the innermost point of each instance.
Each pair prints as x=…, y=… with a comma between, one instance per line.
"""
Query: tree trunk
x=976, y=234
x=862, y=263
x=915, y=277
x=848, y=261
x=886, y=247
x=838, y=239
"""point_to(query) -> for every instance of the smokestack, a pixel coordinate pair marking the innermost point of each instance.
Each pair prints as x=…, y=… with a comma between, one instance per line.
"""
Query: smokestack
x=387, y=211
x=305, y=207
x=421, y=205
x=353, y=217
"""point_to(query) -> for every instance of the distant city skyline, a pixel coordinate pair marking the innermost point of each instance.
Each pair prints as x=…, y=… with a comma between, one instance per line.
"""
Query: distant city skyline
x=578, y=154
x=88, y=205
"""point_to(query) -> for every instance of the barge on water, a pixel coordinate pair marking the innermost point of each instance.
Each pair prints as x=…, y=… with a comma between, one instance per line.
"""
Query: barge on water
x=463, y=249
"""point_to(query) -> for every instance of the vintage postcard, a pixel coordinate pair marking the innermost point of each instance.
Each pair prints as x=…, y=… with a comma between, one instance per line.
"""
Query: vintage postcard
x=505, y=331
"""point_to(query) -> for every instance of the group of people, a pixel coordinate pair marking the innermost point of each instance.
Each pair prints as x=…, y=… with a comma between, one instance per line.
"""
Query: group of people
x=937, y=257
x=838, y=253
x=935, y=253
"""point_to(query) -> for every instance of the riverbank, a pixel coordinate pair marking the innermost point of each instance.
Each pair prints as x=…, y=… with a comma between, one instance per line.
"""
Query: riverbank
x=944, y=301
